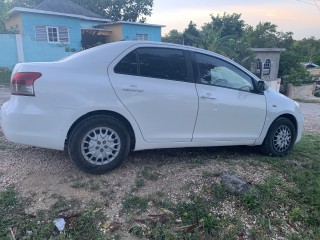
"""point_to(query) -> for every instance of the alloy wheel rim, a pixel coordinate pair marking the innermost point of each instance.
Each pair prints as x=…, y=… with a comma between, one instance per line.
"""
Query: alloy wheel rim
x=100, y=146
x=282, y=138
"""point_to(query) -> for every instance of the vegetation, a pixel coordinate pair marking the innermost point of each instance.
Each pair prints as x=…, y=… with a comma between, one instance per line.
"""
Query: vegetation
x=5, y=75
x=232, y=37
x=3, y=16
x=286, y=204
x=15, y=223
x=129, y=10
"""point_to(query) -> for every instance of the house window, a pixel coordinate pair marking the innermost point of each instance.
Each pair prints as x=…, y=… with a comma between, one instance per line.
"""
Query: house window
x=52, y=34
x=266, y=67
x=142, y=37
x=258, y=65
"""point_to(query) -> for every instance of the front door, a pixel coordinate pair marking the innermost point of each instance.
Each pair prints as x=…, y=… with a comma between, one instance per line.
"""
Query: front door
x=229, y=108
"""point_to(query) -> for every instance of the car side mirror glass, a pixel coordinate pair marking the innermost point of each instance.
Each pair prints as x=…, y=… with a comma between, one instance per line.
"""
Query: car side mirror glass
x=261, y=86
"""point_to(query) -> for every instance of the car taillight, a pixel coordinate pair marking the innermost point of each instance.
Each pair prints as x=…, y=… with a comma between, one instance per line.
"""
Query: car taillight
x=22, y=83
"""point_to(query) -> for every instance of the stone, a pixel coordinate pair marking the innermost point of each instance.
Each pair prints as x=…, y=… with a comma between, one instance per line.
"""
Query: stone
x=235, y=184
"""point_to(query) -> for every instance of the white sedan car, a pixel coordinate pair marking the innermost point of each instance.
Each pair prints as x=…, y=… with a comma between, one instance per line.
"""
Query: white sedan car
x=103, y=102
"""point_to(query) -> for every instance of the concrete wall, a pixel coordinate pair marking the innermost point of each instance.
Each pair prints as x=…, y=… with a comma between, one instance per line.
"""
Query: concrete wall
x=15, y=23
x=41, y=51
x=129, y=32
x=116, y=34
x=297, y=92
x=8, y=50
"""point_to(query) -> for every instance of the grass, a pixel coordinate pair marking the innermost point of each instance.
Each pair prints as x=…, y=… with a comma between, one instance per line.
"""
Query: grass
x=148, y=174
x=135, y=203
x=289, y=198
x=4, y=144
x=16, y=224
x=86, y=184
x=5, y=75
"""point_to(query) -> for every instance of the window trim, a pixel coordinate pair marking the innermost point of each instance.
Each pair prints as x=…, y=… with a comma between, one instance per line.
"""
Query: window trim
x=48, y=37
x=144, y=37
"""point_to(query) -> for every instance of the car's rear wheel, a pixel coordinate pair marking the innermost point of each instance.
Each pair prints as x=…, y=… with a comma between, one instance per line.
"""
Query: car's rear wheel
x=99, y=144
x=280, y=138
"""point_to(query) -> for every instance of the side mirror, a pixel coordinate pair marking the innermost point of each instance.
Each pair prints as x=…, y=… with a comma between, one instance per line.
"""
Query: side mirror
x=261, y=86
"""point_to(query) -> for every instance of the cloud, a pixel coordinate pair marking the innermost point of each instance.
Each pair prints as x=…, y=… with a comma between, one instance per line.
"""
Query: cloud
x=302, y=19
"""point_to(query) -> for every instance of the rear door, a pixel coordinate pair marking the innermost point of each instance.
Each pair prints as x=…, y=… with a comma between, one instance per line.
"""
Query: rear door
x=154, y=85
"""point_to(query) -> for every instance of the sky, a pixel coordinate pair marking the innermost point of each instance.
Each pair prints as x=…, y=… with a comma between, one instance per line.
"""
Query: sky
x=302, y=17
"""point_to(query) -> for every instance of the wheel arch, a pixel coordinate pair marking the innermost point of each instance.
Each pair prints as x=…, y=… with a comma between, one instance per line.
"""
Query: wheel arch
x=289, y=117
x=105, y=113
x=269, y=123
x=278, y=144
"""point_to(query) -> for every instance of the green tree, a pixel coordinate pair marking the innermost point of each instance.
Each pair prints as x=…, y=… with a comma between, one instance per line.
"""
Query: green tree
x=308, y=49
x=224, y=35
x=289, y=60
x=126, y=10
x=191, y=35
x=24, y=3
x=290, y=69
x=228, y=25
x=264, y=35
x=298, y=76
x=4, y=6
x=174, y=36
x=285, y=40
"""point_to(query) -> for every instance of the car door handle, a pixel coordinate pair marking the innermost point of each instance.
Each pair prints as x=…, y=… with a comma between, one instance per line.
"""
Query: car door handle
x=207, y=96
x=132, y=88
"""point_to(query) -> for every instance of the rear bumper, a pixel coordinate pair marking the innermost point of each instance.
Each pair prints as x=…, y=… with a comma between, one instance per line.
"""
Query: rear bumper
x=24, y=122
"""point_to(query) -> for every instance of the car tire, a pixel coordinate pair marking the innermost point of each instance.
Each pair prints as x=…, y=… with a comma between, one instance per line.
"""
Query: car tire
x=280, y=138
x=99, y=144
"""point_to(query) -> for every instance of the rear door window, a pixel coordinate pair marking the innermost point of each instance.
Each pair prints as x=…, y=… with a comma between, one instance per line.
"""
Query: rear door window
x=163, y=63
x=128, y=65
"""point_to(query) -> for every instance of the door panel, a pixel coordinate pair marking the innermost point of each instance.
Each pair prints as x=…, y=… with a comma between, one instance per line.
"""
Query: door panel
x=164, y=109
x=229, y=108
x=228, y=114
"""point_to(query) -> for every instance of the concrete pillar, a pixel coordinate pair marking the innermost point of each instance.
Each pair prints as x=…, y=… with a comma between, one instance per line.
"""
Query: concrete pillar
x=20, y=48
x=290, y=90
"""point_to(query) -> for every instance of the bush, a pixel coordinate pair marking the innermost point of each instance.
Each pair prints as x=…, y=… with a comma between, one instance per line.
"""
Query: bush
x=298, y=76
x=5, y=75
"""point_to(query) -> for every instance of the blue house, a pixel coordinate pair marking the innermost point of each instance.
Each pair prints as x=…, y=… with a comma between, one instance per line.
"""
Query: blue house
x=55, y=29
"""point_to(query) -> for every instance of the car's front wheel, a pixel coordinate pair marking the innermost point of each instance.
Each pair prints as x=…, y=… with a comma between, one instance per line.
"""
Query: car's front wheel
x=280, y=138
x=99, y=144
